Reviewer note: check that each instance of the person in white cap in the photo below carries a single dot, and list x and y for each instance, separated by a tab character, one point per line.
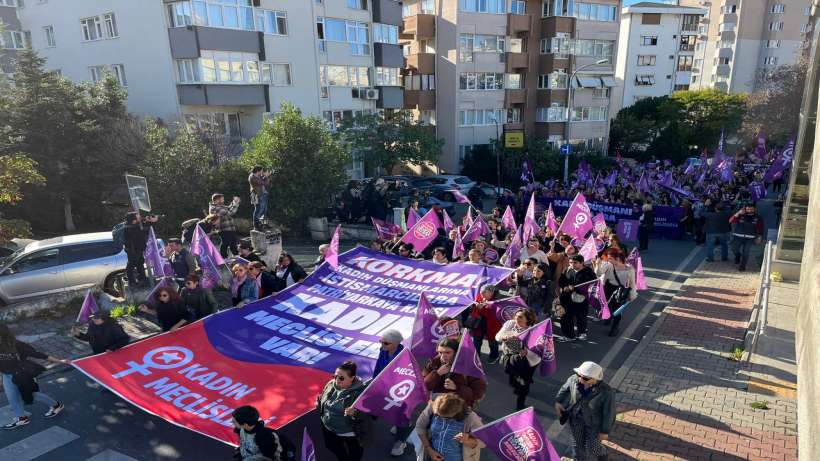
589	405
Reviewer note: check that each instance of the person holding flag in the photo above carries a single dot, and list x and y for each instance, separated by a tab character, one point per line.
103	334
483	322
619	284
445	430
342	426
439	377
575	303
519	362
588	404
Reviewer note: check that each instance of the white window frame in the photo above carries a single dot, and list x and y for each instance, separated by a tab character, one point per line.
386	76
385	33
357	4
483	6
118	70
12	40
645	60
645	80
646	40
776	25
778	8
51	41
92	29
110	22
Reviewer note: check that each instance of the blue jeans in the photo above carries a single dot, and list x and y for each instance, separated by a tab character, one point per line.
16	400
723	239
259	209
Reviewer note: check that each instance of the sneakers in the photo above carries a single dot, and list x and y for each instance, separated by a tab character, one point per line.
582	337
55	410
17	422
398	448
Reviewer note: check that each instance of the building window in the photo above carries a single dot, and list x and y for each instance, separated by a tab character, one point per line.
776	25
557	8
483	6
554	113
595	12
179	14
357	34
357	4
589	114
385	33
804	28
272	22
92	28
770	61
697	66
778	8
187	70
485	117
470	43
687	42
596	48
649	40
8	3
420	82
386	76
427	7
554	81
600	93
690	22
644	80
482	81
110	25
119	73
12	40
682	87
48	31
646	59
518	7
772	43
685	63
330	75
513	81
99	73
275	74
217	123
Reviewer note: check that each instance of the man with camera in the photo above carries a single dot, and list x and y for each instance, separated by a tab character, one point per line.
259	181
134	243
227	228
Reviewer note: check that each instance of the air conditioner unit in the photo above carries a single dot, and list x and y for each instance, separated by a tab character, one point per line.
369	93
356	93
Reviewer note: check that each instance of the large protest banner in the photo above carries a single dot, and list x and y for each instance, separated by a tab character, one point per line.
667	218
277	353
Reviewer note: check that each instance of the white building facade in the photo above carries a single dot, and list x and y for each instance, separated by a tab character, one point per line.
656	51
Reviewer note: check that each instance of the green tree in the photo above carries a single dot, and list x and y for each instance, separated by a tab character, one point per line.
636	126
177	167
308	164
386	142
774	106
67	129
16	172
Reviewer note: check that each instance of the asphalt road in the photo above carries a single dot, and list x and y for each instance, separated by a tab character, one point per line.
96	422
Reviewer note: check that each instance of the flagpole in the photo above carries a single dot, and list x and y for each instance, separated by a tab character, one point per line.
464	333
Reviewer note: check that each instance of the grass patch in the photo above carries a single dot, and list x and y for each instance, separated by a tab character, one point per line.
122	311
760	405
736	353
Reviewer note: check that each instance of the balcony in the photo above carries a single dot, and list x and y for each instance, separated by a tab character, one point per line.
419	26
387	55
689	27
386	12
546	98
725	52
729	17
390	97
727	30
422	63
518	24
187	41
223	95
420	99
516	61
723	70
513	97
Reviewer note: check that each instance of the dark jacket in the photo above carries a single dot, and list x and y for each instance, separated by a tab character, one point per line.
294	270
267	284
717	222
537	291
169	314
332	400
599	413
135	237
106	337
469	388
570	277
748	225
22	370
199	302
385	358
183	263
261	441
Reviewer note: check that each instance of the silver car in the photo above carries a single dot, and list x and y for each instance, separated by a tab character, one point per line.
72	262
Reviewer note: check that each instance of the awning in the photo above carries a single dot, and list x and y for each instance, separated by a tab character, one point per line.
609	82
589	82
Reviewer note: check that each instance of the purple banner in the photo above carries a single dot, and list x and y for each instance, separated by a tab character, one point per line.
667	218
395	392
505	309
518	437
628	229
339	314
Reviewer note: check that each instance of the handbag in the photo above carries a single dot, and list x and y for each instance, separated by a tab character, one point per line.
621	295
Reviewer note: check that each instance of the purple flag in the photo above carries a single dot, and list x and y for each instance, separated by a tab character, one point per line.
628	229
412	217
514	249
422	234
458	246
530	224
589	250
426	330
634	260
384	229
551	223
475	231
395	392
538	339
332	253
518	437
760	150
598	223
643	184
448	223
781	163
160	266
152	296
578	219
460	197
467	220
466	361
201	244
526	171
508	220
308	451
666	179
89	307
596	296
757	190
506	308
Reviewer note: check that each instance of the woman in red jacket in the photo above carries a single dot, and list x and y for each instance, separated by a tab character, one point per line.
484	323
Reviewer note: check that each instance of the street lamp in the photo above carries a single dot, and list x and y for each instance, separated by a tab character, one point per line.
494	119
570	98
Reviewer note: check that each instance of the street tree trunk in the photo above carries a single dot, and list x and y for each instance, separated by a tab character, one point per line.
69	219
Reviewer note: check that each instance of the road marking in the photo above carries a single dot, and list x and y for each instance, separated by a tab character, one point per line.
38	444
555	428
111	455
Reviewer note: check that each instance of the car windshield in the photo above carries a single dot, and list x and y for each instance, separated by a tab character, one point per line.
5	261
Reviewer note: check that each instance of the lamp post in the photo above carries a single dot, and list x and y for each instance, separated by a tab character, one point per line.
570	99
494	119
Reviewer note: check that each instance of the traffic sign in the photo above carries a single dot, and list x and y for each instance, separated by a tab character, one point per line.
514	139
566	149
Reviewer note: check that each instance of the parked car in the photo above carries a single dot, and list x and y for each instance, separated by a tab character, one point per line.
491	191
55	265
462	183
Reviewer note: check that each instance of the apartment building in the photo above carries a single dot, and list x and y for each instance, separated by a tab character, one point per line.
480	68
742	38
12	36
656	49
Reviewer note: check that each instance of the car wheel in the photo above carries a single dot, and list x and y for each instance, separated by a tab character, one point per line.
115	284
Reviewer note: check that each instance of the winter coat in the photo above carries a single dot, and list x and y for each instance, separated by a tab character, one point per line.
469	388
225	213
259	442
135	238
599	413
199	302
571	277
331	404
491	322
106	337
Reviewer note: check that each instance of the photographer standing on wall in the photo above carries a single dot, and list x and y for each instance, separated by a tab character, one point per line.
259	181
135	235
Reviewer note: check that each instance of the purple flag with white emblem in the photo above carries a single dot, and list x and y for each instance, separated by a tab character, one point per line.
538	339
530	224
476	230
412	218
517	437
589	250
308	450
506	308
757	190
508	219
159	265
634	260
332	253
426	332
551	223
201	244
422	234
578	219
598	223
466	361
781	163
448	223
458	246
89	307
514	249
395	392
385	230
594	292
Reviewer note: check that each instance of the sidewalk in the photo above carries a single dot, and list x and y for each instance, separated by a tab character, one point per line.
681	397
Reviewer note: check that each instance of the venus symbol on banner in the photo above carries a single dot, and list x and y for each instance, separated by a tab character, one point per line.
170	357
399	393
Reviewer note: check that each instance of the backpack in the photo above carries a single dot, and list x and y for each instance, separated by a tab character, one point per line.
118	234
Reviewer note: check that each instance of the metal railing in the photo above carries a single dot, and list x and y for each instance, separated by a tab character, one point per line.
762	295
